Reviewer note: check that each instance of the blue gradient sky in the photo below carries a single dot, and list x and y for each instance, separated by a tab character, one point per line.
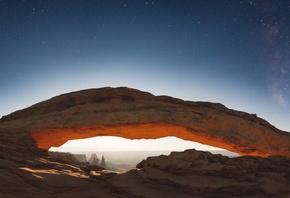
233	52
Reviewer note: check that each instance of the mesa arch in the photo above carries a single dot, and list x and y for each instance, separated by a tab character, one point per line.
134	114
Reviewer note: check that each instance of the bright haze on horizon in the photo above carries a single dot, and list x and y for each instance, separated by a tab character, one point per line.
232	52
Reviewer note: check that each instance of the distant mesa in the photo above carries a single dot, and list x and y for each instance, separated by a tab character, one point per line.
64	157
134	114
94	160
78	159
81	157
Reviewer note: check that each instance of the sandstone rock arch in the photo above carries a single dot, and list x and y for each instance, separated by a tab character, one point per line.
134	114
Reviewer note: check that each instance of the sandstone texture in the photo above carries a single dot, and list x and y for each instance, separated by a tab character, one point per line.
134	114
27	171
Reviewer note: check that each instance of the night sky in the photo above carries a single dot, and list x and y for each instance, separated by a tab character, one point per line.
234	52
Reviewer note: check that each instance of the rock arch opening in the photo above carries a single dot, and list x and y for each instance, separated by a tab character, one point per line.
121	154
112	143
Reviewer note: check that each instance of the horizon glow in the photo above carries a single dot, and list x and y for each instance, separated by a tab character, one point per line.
112	143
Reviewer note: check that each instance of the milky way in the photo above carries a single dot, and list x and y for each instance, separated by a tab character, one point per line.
278	38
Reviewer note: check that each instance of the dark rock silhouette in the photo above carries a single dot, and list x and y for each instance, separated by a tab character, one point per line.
65	157
103	162
94	159
81	158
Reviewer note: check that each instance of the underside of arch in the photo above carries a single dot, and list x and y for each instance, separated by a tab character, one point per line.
57	137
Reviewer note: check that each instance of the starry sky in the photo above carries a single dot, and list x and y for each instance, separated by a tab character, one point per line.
235	52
